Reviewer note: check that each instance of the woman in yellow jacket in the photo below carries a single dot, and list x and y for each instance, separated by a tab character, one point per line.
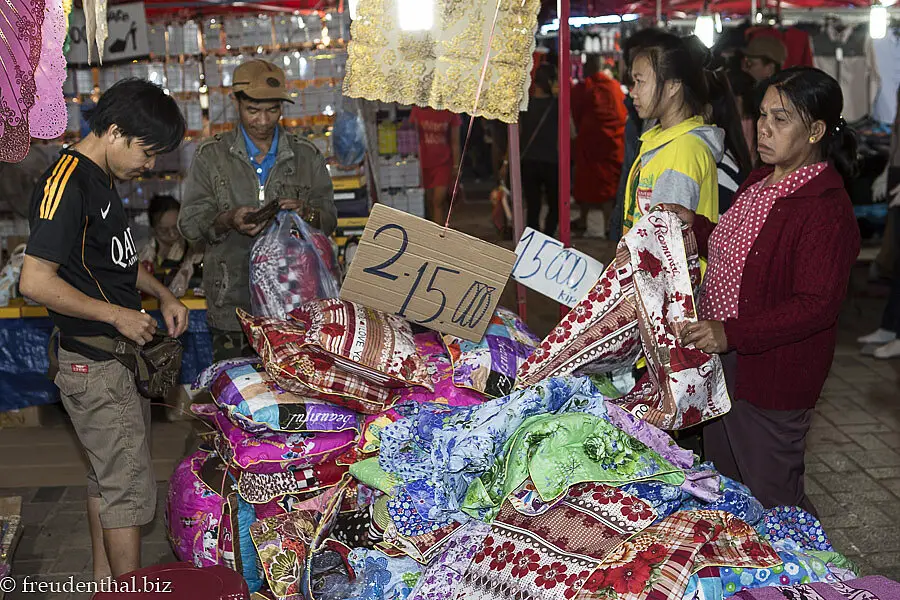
678	157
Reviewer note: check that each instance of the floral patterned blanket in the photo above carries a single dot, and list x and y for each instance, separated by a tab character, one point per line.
639	307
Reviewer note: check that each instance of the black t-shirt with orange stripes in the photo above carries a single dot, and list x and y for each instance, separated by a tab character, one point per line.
78	221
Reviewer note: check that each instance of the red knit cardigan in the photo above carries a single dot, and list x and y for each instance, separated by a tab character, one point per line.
792	288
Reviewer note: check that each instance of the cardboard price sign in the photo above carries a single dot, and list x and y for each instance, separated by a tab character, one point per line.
544	265
439	278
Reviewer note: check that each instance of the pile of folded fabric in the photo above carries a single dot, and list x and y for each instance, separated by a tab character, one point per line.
356	459
286	425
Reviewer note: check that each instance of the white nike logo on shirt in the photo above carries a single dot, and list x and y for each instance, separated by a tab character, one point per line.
103	213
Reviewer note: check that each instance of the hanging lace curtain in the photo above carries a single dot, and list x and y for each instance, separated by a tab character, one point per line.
441	66
32	71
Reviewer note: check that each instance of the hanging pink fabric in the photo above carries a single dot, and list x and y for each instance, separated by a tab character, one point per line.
20	25
48	117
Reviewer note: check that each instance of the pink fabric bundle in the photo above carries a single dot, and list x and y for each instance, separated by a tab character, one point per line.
273	452
194	506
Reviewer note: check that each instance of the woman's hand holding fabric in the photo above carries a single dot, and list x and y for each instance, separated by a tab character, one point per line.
708	336
685	214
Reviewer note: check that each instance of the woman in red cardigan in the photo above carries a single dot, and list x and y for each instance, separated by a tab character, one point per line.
779	264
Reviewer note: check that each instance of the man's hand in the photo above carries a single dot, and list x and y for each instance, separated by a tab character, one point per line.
686	215
302	207
708	336
239	224
175	315
137	326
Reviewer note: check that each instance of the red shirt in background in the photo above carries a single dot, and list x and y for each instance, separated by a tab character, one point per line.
434	135
598	108
796	41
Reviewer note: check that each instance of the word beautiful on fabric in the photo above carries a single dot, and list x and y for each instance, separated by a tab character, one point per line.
297	420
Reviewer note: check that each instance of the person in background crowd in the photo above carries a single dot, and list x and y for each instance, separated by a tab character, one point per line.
743	86
678	157
763	57
233	176
166	248
539	156
81	263
439	155
736	164
599	111
779	265
634	125
883	342
166	255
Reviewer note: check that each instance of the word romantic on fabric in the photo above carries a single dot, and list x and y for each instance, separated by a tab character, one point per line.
546	266
436	277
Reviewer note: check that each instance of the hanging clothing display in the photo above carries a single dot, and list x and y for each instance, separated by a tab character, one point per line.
21	27
884	55
49	116
796	41
95	26
442	66
840	51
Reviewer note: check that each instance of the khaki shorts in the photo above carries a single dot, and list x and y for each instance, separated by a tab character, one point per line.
112	421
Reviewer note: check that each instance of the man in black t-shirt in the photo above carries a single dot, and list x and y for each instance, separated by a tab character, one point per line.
82	264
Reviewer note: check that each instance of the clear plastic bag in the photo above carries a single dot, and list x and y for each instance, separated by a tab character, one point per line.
9	276
291	264
348	138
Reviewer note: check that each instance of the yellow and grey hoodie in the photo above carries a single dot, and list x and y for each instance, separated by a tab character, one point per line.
676	166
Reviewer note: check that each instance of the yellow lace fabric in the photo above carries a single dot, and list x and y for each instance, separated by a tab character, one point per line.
441	67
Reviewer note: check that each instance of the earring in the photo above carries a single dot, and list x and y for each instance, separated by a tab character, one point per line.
812	139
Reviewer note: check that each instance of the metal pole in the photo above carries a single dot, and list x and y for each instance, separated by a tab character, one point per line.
515	184
659	12
565	81
753	11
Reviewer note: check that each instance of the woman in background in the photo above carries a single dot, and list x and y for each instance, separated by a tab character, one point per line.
678	157
167	255
736	163
540	156
439	155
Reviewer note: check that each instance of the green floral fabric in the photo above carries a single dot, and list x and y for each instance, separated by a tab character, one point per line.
559	451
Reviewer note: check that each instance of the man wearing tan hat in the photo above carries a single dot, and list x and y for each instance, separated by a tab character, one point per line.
233	176
764	56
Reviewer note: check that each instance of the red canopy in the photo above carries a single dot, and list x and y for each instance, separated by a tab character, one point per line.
156	8
731	7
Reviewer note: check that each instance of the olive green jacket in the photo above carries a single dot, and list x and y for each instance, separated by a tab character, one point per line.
221	178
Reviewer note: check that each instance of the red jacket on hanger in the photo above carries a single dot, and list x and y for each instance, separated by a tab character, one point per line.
799	49
598	108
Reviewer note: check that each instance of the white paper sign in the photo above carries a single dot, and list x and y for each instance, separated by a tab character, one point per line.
544	265
127	35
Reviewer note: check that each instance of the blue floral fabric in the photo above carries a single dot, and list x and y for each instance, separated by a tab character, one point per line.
443	449
663	497
736	499
382	577
794	523
409	511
